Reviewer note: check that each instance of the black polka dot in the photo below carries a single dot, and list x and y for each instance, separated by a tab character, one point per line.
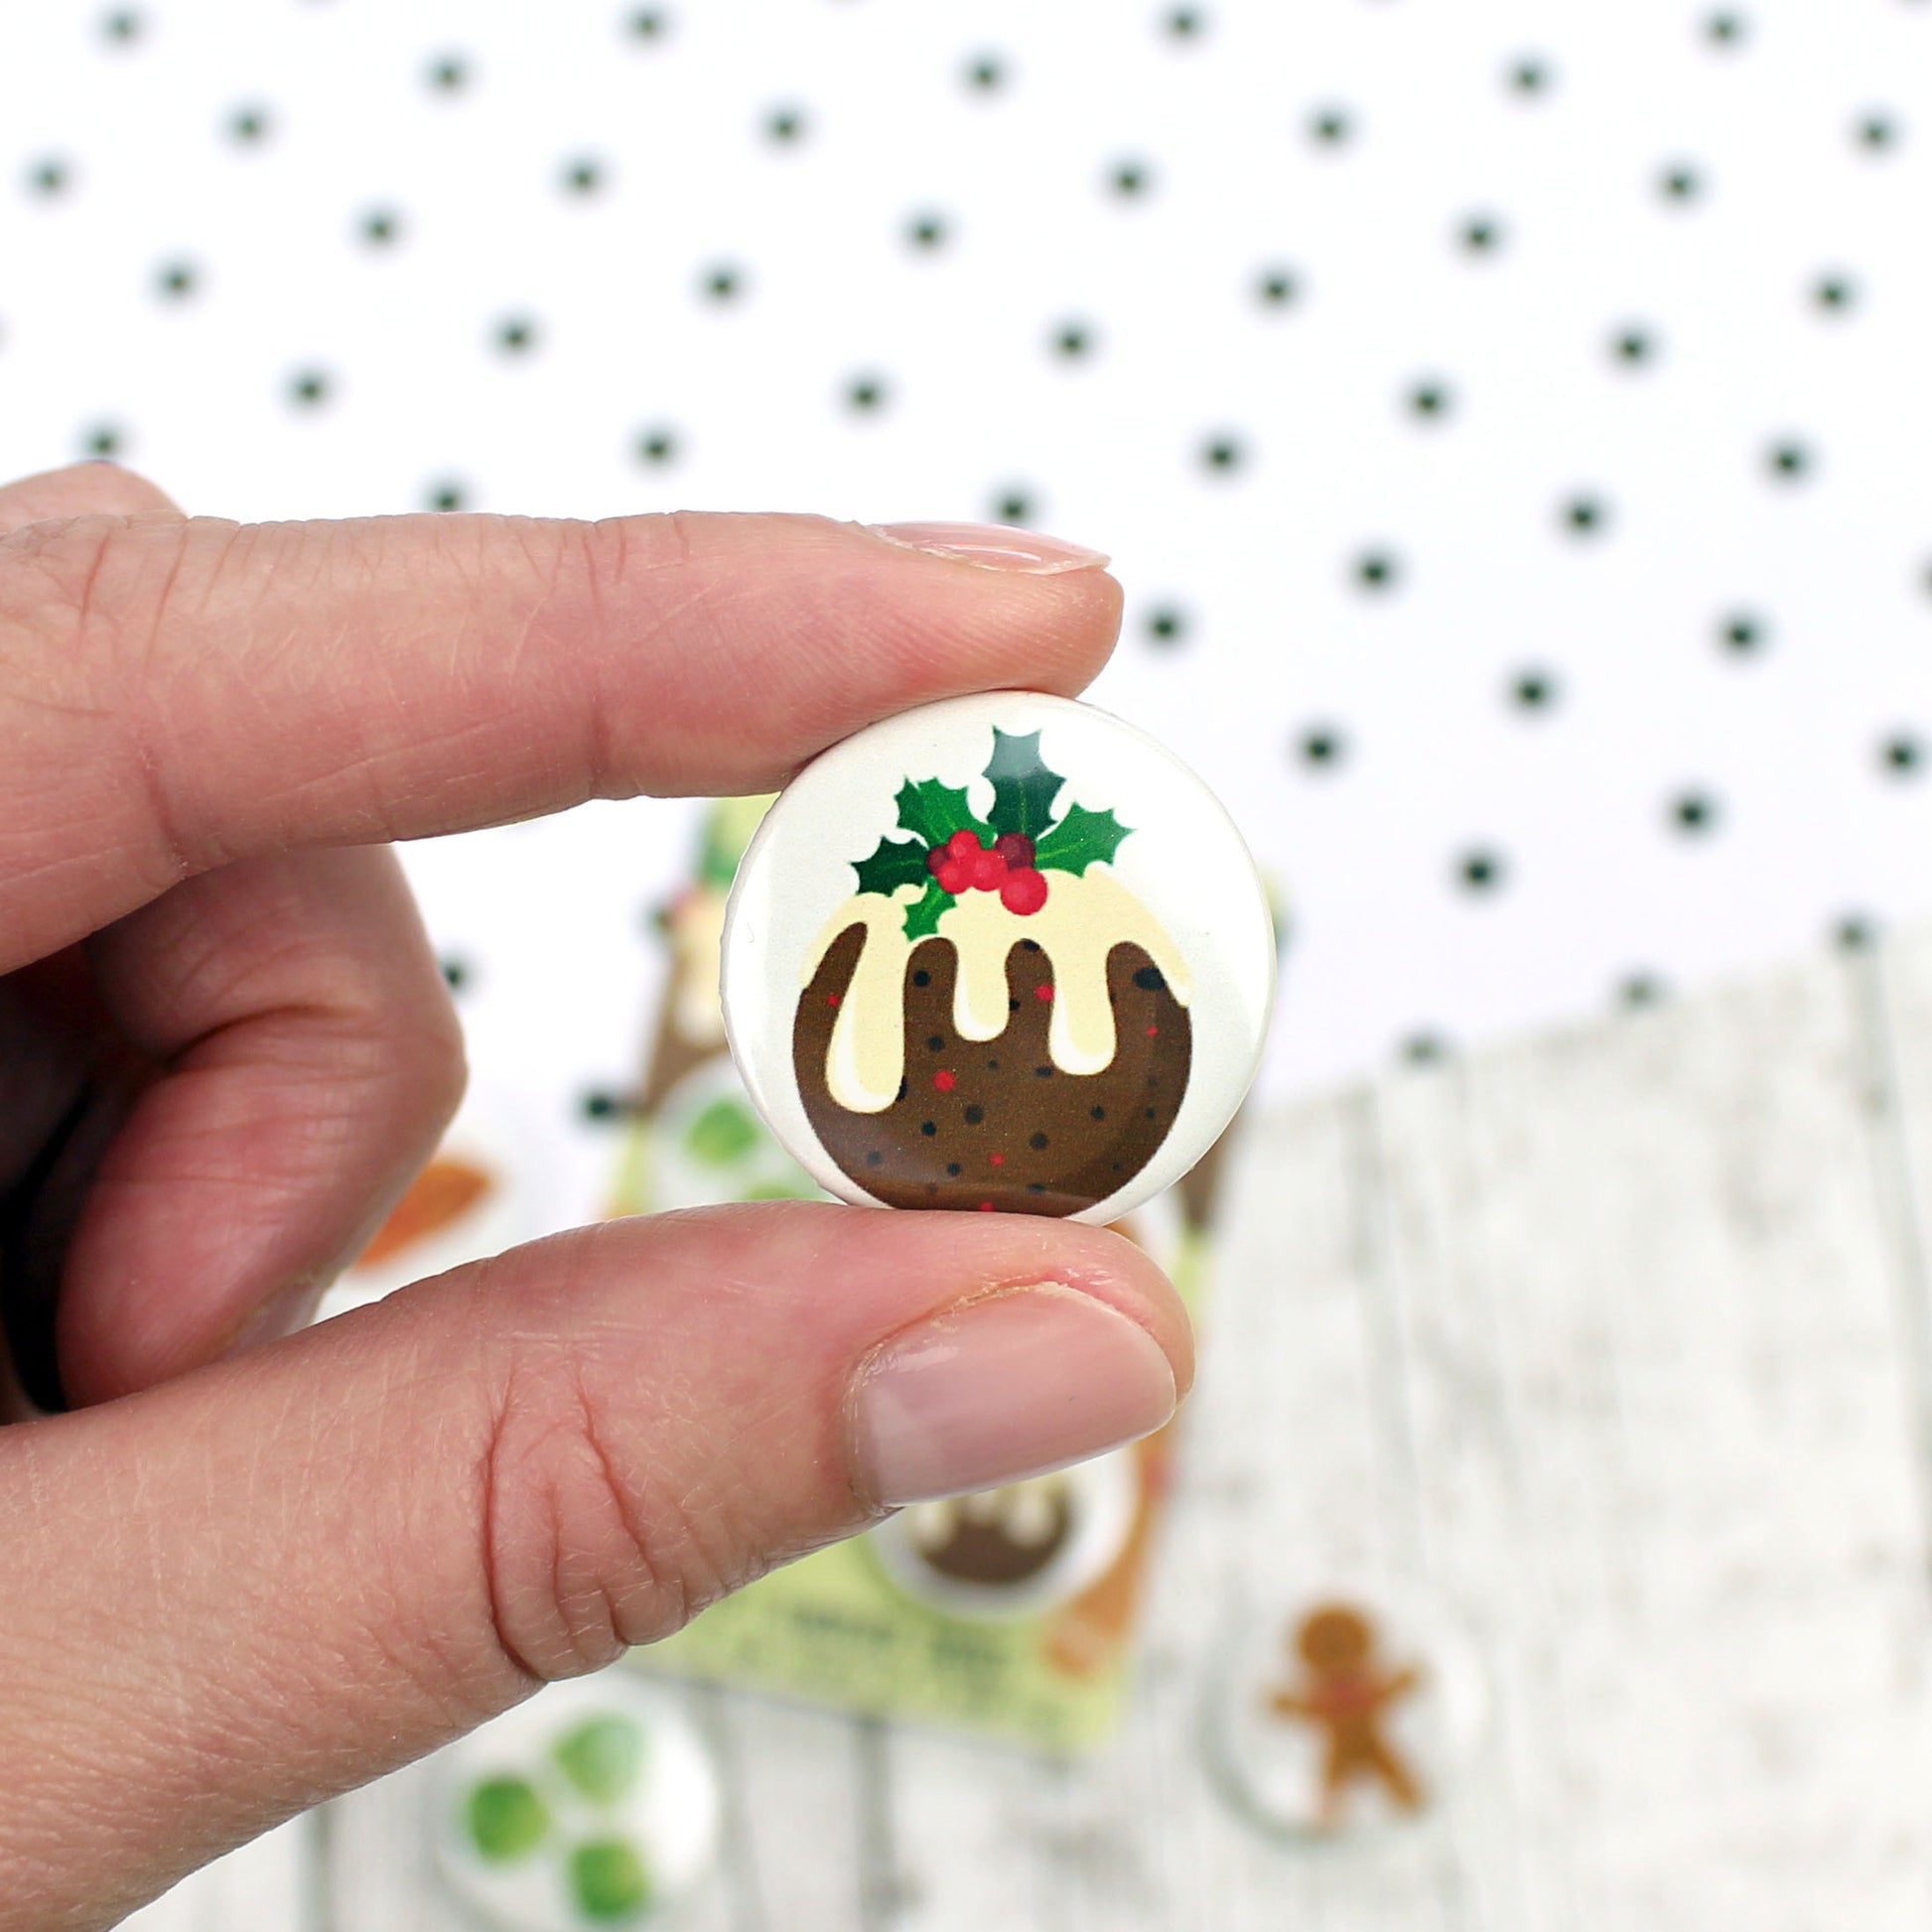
447	74
1902	756
516	334
1332	126
1742	632
1480	870
103	440
1038	1187
1430	400
176	281
1480	234
646	23
1877	131
935	1043
50	176
1694	813
249	126
986	73
1583	515
866	396
974	1115
875	1159
1324	746
1376	571
1130	179
1530	75
1042	1072
1634	346
1015	506
1037	1142
1097	1113
928	1127
1150	979
1834	292
785	126
953	1167
456	973
1222	454
309	388
1856	932
1166	624
1073	342
1534	691
380	226
599	1104
657	445
1186	23
1639	990
1680	183
928	231
447	493
122	27
722	282
583	176
1278	288
1790	460
1726	28
922	977
1424	1048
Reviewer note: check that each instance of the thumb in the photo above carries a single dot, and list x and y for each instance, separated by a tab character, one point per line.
248	1588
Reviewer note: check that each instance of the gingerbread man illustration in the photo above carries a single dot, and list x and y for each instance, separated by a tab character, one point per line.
1345	1692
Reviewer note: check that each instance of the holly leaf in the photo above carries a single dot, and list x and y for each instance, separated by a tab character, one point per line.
922	919
1024	786
896	863
1079	840
933	812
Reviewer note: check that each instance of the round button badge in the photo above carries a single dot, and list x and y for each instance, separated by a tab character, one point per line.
1001	952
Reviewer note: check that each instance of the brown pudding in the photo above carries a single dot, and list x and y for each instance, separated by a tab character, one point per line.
995	1122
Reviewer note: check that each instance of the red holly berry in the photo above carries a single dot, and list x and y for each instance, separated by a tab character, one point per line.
986	871
935	860
963	843
1024	892
956	875
1016	848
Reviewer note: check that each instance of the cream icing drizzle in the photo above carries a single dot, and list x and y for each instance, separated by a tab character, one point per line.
1086	915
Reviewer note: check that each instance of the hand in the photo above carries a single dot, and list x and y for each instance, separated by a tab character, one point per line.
248	1570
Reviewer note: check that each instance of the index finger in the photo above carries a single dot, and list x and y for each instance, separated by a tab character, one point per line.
177	693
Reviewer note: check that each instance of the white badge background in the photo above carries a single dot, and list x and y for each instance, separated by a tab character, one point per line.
1804	137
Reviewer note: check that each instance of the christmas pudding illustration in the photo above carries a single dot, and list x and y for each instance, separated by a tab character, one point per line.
992	1019
1000	1535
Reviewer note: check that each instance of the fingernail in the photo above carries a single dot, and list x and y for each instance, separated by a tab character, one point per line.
992	546
1007	1387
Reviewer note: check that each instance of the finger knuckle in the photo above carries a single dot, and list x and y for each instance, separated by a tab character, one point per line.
583	1556
94	583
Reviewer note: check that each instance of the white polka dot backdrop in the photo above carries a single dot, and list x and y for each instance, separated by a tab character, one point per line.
1508	422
